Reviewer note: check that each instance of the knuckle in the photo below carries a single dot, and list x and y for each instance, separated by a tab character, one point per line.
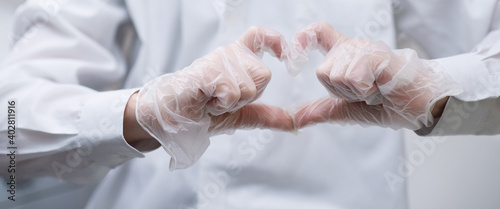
248	92
266	74
253	29
233	95
252	32
337	78
361	42
323	74
252	90
222	50
261	76
323	24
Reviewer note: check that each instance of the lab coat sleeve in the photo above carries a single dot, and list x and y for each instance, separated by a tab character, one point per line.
460	117
477	110
62	72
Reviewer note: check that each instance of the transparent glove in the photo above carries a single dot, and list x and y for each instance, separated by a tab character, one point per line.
369	83
213	95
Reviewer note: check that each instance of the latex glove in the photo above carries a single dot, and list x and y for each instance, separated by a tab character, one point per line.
212	96
369	83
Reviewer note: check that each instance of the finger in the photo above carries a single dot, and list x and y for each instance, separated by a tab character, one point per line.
372	66
358	74
260	74
222	86
349	71
360	79
385	64
249	85
238	80
251	75
332	74
225	98
260	39
315	112
253	116
339	111
319	35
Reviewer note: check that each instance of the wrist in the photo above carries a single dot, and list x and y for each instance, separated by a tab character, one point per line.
133	132
439	106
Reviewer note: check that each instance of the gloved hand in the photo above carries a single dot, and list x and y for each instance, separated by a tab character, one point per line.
211	96
369	83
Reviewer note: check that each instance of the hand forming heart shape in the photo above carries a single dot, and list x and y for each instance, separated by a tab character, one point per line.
369	84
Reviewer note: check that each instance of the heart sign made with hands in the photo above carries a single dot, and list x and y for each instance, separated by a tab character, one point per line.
369	84
213	95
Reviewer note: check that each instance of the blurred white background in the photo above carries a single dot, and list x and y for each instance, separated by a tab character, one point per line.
7	8
461	173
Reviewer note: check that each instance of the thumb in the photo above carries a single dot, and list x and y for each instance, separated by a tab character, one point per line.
253	116
340	111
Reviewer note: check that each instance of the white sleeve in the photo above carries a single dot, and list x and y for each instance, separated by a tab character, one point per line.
61	72
477	109
467	118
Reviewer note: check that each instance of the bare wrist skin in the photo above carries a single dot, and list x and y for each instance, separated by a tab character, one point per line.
438	109
132	131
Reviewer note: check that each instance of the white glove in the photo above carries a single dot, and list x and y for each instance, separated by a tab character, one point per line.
212	96
369	83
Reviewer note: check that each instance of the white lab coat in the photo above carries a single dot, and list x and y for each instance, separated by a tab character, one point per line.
66	70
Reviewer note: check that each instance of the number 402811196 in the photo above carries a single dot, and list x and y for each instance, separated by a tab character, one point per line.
11	121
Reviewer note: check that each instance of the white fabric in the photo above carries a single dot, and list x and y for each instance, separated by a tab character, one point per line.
71	53
474	61
467	118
